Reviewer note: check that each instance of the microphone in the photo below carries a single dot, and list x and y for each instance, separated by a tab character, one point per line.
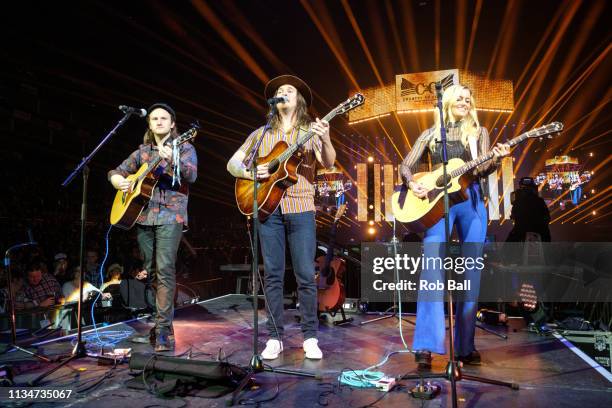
278	99
133	111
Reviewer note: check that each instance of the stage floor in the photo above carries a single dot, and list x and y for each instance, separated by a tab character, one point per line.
548	372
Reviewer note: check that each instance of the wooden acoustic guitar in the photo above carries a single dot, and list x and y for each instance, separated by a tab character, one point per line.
329	272
421	213
128	205
283	162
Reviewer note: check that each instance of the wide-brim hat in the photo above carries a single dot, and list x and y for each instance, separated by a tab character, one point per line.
300	85
165	107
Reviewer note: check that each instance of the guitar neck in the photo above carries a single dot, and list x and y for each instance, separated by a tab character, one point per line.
152	165
485	157
184	138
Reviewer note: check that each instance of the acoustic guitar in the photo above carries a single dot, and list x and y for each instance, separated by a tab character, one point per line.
421	213
283	162
128	205
329	272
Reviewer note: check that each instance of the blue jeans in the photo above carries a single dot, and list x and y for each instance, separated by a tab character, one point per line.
470	218
300	231
163	242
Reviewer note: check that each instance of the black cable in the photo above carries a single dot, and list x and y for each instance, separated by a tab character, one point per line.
324	394
251	401
377	400
107	375
193	292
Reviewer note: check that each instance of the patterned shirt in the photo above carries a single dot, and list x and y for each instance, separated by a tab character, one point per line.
299	197
168	205
46	288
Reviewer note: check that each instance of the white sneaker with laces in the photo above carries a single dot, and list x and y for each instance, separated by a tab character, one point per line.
312	350
273	349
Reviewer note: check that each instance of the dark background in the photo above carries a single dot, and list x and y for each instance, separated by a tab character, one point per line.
66	66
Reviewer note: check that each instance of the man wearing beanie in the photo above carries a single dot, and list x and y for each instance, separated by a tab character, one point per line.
159	227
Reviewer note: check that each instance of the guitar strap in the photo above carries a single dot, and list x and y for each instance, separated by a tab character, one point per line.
473	147
248	158
474	152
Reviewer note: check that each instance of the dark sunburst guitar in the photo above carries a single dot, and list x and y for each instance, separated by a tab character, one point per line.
283	162
422	213
128	205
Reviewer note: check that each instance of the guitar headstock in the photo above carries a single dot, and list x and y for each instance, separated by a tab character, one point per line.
188	135
339	212
350	104
549	129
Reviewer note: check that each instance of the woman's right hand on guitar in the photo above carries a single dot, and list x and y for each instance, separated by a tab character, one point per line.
418	189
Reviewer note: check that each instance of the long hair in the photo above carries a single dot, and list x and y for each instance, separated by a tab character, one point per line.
470	127
149	137
302	118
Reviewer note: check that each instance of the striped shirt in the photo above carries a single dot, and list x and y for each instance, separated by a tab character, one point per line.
299	197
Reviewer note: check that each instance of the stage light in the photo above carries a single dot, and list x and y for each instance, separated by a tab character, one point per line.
371	230
370	159
371	222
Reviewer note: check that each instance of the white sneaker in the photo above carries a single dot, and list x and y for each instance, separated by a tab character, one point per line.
312	350
272	350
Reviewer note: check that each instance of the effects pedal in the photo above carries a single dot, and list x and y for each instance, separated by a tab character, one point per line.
425	391
385	384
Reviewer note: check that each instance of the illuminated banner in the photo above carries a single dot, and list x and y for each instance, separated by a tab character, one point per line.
418	91
415	92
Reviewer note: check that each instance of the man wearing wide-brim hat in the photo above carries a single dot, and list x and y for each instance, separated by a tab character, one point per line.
294	219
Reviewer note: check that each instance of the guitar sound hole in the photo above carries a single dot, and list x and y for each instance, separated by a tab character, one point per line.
272	166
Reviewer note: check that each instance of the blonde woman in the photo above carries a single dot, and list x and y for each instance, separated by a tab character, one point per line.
466	139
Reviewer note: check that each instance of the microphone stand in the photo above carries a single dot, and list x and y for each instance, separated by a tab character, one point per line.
395	307
452	372
79	350
13	345
256	364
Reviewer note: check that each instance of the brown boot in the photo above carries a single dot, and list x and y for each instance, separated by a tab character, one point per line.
162	340
423	360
